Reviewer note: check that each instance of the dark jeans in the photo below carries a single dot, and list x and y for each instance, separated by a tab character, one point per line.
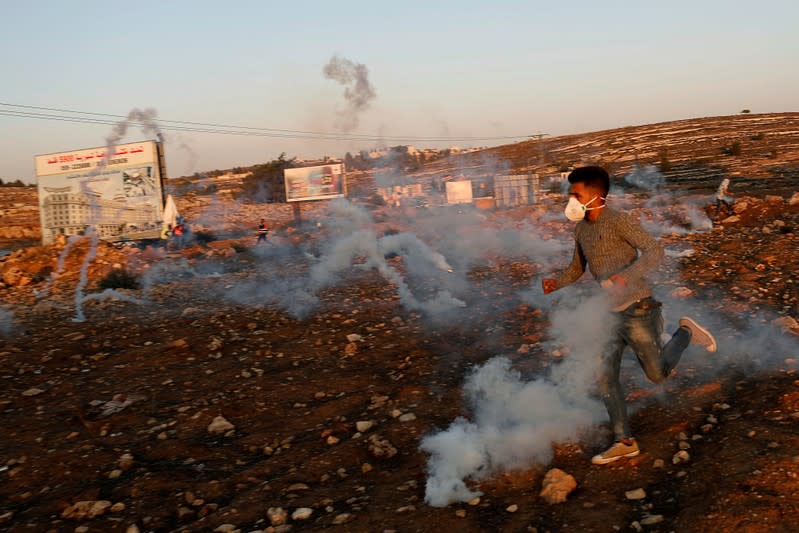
639	327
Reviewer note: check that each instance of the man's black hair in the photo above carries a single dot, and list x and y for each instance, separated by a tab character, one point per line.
592	176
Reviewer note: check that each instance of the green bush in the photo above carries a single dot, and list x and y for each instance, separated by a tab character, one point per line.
119	278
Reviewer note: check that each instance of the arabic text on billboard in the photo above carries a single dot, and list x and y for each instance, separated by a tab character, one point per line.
315	183
121	198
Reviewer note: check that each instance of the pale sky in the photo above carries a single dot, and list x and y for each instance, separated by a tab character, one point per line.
439	69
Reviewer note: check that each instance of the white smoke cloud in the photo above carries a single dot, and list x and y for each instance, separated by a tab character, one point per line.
515	422
358	91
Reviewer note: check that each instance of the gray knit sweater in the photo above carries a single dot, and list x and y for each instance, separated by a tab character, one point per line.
611	245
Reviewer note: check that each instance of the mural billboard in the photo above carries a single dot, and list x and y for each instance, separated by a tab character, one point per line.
459	192
119	194
315	183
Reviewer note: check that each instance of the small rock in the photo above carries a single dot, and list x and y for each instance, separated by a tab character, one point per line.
114	474
180	343
366	467
652	519
227	528
731	220
364	425
774	199
681	457
133	528
635	494
276	515
86	509
354	337
659	463
684	445
407	417
460	513
474	501
296	487
682	292
379	447
794	200
787	324
512	508
117	507
343	518
220	426
405	509
33	392
303	513
557	485
351	349
125	462
524	348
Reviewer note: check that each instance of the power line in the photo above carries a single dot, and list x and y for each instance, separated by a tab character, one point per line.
57	114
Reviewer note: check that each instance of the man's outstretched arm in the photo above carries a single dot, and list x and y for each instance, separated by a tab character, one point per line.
572	273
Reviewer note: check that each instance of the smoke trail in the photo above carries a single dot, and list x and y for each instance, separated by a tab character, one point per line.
516	422
59	267
358	91
84	274
145	118
110	293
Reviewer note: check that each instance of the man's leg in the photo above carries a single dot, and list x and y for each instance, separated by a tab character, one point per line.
610	388
642	333
624	445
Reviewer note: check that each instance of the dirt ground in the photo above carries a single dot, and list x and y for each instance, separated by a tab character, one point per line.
117	409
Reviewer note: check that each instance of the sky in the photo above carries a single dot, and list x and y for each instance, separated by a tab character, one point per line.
445	69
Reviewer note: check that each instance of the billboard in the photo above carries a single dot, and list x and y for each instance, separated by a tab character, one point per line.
120	194
315	183
516	190
459	192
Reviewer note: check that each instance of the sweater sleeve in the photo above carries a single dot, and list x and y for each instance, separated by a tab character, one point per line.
575	269
650	253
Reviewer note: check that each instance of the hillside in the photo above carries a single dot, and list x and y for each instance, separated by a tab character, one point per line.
693	151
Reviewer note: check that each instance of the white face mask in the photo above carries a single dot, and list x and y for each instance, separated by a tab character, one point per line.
575	211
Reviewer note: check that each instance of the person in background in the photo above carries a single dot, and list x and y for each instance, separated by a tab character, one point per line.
166	231
721	195
263	231
620	254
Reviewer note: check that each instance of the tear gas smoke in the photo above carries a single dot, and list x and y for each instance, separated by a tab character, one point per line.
45	291
356	240
646	177
689	216
145	118
84	274
515	422
358	91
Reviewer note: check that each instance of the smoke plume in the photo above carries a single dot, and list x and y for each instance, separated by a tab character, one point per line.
515	422
358	92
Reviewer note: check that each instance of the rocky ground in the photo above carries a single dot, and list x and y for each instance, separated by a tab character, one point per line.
179	411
